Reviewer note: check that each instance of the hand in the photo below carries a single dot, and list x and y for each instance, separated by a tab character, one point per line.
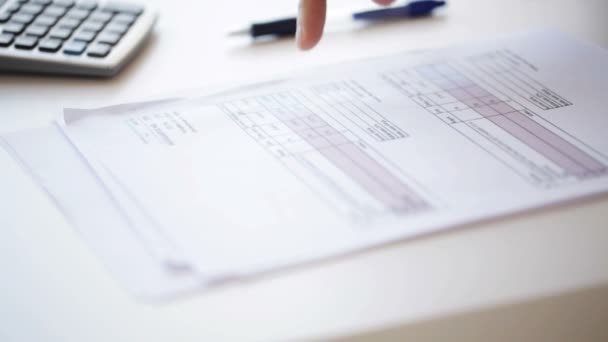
311	19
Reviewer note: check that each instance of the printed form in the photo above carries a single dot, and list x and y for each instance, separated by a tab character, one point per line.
346	157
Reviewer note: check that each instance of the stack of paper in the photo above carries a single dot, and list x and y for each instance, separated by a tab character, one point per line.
184	193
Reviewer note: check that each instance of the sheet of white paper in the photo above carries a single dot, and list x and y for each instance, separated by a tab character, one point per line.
353	155
127	239
125	250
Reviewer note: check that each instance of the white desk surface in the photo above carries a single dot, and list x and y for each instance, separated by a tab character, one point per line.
53	288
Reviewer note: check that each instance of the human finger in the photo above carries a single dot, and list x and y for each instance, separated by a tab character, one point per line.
311	20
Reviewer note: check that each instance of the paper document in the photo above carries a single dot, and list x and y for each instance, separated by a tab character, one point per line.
233	183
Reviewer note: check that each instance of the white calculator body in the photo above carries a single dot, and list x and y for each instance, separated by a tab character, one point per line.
77	37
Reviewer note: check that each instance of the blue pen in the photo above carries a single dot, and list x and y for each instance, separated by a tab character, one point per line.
287	27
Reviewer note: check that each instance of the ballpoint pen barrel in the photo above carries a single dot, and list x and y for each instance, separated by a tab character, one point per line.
413	9
283	27
288	26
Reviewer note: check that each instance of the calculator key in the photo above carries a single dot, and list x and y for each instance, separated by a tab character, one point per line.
55	11
118	7
103	17
117	28
124	18
108	38
37	31
85	36
87	5
99	50
45	20
5	16
60	33
23	18
64	3
42	2
50	45
6	39
74	48
14	7
69	23
94	26
32	9
77	14
13	27
26	42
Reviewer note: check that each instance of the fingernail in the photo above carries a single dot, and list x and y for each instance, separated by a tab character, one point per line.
299	37
299	30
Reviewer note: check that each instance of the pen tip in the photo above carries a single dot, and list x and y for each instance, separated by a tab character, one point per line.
240	32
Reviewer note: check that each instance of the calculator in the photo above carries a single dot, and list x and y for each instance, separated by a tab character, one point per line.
77	37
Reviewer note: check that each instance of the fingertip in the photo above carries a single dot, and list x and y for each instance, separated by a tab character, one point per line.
305	41
311	20
305	46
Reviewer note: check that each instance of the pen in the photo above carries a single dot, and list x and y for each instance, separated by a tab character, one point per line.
287	27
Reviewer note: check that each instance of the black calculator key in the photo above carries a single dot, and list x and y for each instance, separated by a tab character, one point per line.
108	38
45	20
117	28
64	3
26	42
41	2
55	11
124	18
23	18
87	5
69	23
103	17
37	31
60	33
50	45
117	7
74	48
6	39
94	26
4	16
85	36
13	27
99	50
31	9
77	14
